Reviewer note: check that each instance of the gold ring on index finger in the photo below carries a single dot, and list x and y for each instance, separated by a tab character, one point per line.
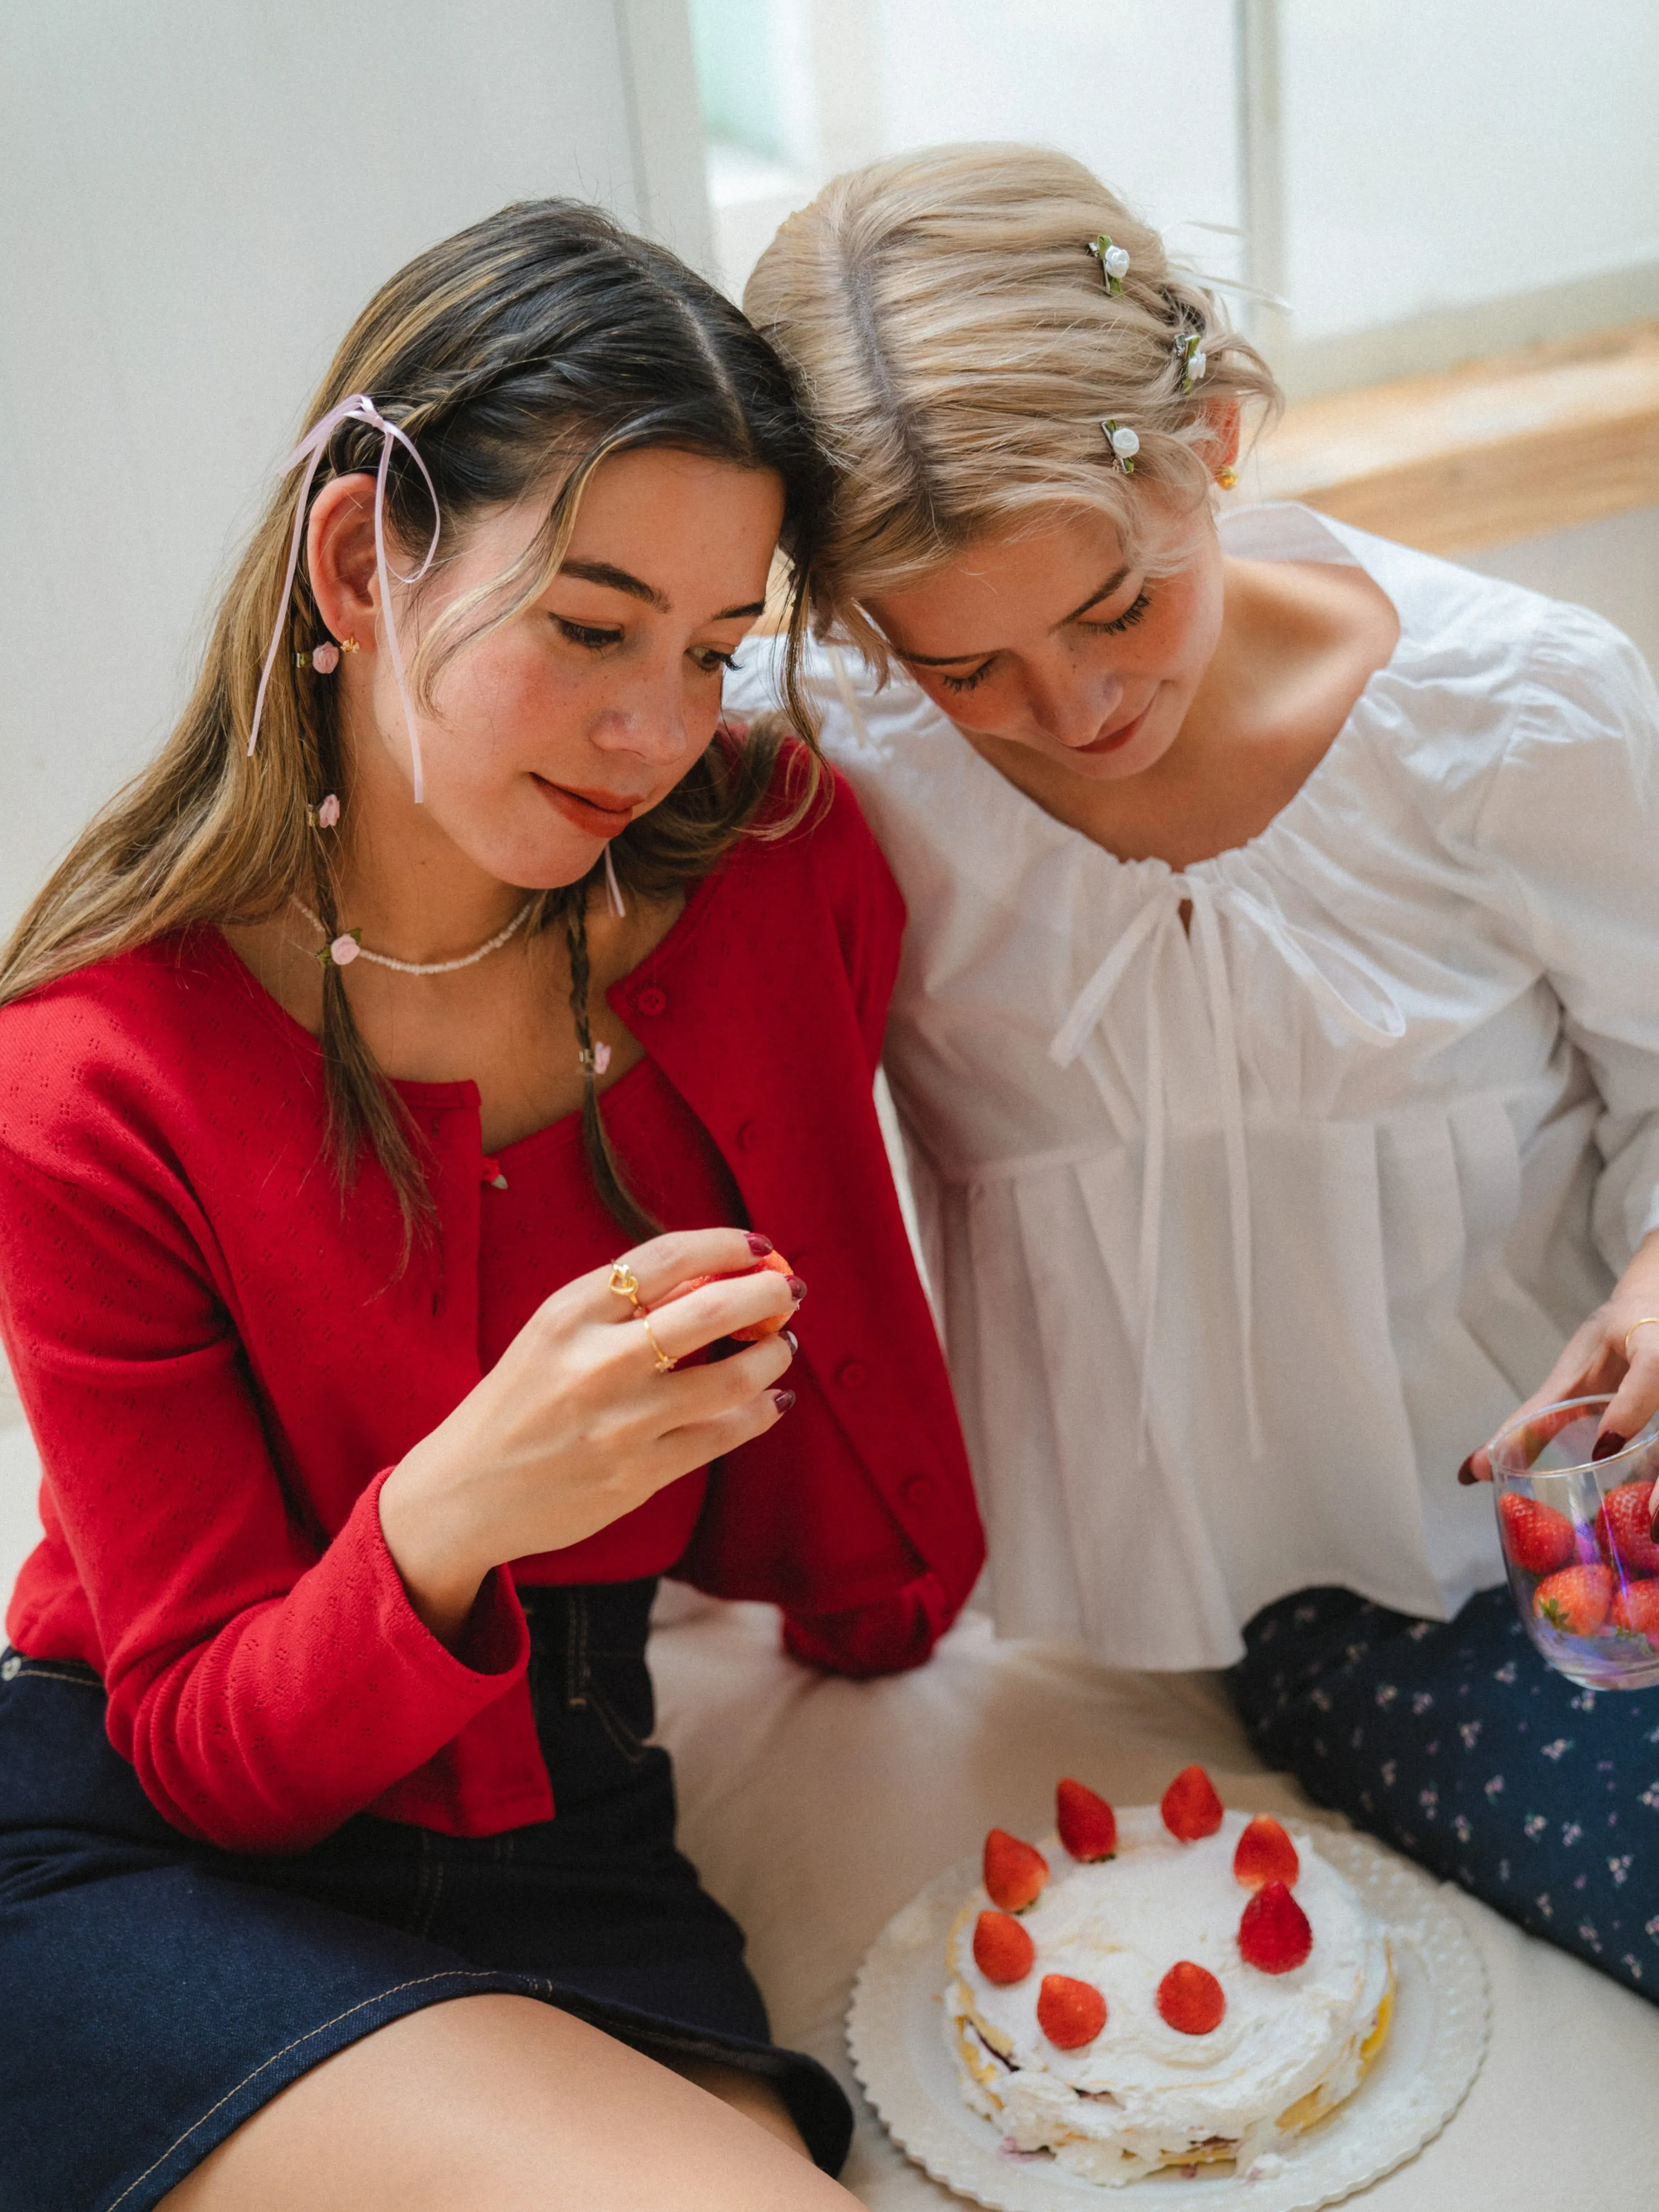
1648	1321
663	1363
625	1284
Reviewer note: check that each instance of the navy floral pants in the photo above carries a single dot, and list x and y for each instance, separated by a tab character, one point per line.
1454	1741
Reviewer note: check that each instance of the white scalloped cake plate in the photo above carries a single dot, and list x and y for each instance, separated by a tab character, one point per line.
1437	2040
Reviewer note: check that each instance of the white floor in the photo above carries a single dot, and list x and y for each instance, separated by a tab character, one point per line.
816	1807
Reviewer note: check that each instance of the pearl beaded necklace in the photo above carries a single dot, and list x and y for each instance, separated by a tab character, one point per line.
345	948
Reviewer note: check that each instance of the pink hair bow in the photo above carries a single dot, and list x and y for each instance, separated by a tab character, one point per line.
310	450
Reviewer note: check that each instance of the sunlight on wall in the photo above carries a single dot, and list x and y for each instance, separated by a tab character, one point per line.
1442	157
1419	182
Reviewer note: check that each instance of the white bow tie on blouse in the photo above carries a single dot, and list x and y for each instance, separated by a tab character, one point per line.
1162	914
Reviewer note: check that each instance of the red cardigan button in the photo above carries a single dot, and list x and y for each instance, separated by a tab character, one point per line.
749	1133
852	1374
652	1000
918	1491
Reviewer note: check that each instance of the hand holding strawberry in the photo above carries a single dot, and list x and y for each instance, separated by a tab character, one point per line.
770	1262
1614	1352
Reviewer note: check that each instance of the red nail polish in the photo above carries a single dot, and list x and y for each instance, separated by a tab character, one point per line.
1608	1444
1466	1472
790	1339
760	1246
797	1289
783	1399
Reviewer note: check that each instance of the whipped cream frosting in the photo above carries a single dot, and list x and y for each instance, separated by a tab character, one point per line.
1143	2094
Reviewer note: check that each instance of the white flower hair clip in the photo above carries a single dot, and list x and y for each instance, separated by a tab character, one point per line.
1191	360
1114	261
1123	443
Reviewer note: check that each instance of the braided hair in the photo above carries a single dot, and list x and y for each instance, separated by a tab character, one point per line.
602	1162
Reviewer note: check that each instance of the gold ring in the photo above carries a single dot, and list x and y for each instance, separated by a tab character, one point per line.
663	1363
1648	1321
624	1283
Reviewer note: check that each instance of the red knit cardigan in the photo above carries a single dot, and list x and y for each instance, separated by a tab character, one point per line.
221	1359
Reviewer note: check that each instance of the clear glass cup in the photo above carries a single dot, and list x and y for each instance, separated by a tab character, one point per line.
1581	1563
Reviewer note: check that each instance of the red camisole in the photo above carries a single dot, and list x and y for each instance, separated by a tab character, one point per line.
550	1225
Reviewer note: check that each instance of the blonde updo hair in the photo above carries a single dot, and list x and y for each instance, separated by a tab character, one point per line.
959	348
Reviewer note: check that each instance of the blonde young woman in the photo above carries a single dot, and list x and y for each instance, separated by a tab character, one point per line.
453	990
1276	1036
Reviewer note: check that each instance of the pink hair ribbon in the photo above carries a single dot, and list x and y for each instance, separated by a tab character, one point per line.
310	450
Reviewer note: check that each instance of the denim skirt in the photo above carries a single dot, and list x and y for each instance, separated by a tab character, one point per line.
156	1991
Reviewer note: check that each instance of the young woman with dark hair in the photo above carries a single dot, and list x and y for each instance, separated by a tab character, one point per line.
397	1082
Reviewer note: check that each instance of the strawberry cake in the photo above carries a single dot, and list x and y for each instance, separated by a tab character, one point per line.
1171	1985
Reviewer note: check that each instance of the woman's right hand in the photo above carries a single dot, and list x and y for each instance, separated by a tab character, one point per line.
575	1425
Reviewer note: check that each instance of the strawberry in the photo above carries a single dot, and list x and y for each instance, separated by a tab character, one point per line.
1070	2014
1274	1933
1537	1538
1190	1999
1014	1872
1636	1611
1265	1854
758	1329
774	1261
1576	1601
1087	1824
1624	1529
1191	1807
1003	1950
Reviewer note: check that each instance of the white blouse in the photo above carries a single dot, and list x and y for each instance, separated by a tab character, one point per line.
1244	1236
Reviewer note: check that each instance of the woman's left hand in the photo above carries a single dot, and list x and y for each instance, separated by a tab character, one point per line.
1611	1352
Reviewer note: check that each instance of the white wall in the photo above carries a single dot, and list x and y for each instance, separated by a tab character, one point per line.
199	196
1143	94
1419	180
1441	155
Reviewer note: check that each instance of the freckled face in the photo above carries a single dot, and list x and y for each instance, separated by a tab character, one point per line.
1047	640
584	711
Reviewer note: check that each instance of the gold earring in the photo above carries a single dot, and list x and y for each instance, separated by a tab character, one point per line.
1226	478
